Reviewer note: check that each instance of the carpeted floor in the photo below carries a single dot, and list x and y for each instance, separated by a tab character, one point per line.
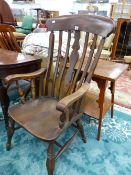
123	90
110	156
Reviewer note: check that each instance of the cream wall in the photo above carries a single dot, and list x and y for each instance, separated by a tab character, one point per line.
63	6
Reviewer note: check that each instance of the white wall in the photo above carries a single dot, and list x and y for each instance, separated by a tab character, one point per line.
63	6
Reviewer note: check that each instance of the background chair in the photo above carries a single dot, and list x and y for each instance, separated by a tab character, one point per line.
7	38
26	26
8	41
6	16
60	101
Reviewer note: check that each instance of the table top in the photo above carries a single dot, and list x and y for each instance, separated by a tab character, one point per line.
109	70
106	70
11	58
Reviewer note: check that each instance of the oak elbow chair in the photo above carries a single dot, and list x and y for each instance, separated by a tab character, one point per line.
61	96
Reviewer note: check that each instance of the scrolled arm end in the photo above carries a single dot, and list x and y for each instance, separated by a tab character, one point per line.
26	76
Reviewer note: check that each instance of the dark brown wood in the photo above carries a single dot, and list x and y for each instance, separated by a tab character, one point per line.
60	106
6	16
12	63
50	159
10	133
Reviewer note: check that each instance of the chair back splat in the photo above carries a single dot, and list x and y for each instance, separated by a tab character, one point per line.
64	82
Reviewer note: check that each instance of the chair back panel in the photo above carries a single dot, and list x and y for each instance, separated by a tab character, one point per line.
62	77
7	39
6	15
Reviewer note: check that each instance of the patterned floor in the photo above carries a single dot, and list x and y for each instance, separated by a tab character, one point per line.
123	90
110	156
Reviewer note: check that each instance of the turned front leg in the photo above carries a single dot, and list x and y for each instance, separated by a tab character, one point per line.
50	163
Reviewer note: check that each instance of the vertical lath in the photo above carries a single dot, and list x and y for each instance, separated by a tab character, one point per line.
57	63
89	59
5	41
94	62
66	58
15	44
73	60
50	62
81	60
2	44
33	88
8	41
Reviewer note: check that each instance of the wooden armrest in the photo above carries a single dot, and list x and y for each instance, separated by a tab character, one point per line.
25	76
64	103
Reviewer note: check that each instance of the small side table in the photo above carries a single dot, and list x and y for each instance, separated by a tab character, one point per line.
96	105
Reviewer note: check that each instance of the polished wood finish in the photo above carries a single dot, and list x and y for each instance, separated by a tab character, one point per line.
7	38
97	103
6	16
63	90
12	63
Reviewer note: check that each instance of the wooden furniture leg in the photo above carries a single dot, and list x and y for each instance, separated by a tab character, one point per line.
102	87
50	158
10	132
4	99
112	89
81	130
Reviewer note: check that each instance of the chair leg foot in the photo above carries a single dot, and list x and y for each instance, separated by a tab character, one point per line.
10	132
112	111
98	137
50	163
81	130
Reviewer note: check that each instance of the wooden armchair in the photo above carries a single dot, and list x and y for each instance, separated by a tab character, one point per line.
60	100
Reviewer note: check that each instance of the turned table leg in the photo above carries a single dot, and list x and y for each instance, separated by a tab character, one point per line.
102	87
4	99
112	89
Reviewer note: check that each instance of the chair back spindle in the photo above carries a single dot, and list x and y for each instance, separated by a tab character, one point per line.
7	38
